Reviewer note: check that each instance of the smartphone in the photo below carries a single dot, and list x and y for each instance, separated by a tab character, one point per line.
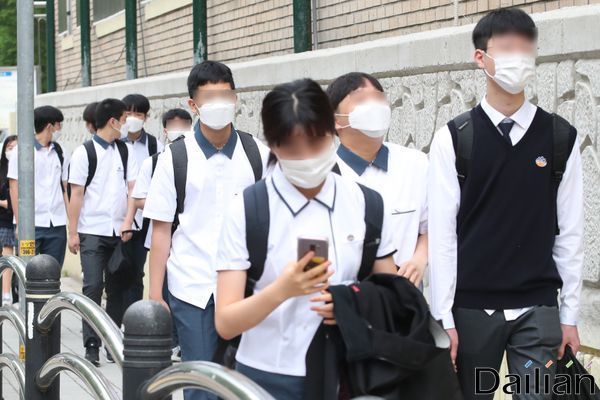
319	245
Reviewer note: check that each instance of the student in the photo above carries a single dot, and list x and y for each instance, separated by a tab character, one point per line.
211	167
97	211
141	146
50	171
7	229
505	229
304	198
399	174
89	117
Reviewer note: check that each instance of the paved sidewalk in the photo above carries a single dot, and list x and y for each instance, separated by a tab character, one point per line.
70	386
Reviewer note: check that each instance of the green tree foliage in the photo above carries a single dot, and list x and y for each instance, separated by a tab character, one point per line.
8	32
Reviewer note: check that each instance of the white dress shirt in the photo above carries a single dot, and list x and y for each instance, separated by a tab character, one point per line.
50	208
336	213
444	201
105	199
140	191
399	174
139	149
214	179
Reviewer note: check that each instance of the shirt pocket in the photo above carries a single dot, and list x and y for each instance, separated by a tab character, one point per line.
348	254
404	209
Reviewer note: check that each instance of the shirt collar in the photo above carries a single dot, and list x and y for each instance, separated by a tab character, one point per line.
294	200
359	164
522	117
209	149
141	139
38	146
103	143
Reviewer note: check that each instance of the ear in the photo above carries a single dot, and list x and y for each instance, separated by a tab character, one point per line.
479	57
192	106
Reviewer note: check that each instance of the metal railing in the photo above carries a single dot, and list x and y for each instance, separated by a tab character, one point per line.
99	386
11	362
225	383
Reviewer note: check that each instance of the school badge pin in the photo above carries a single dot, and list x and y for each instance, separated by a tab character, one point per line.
541	161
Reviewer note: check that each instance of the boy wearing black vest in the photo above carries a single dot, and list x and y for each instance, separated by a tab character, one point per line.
50	173
101	178
506	221
187	209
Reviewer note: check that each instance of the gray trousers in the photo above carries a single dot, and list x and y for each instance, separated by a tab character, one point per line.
530	342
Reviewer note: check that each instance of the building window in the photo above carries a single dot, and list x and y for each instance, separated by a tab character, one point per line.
106	8
64	16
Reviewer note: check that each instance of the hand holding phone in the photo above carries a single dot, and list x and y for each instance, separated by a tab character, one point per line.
318	245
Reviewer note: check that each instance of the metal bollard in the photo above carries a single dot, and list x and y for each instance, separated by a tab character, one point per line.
146	345
43	281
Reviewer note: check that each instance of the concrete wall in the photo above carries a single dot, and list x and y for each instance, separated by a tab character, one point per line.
249	29
430	77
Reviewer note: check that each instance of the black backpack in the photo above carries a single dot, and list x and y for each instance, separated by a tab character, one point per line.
256	208
180	163
152	144
463	146
93	161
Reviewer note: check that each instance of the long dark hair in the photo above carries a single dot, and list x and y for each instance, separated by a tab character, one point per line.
4	160
301	103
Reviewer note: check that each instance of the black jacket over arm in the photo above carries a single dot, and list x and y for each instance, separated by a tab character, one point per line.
385	344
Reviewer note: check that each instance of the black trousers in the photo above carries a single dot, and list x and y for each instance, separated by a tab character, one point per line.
530	342
52	241
95	253
135	291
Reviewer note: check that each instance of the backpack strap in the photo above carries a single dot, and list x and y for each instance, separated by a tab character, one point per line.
253	154
152	144
256	207
373	223
462	132
124	153
92	161
563	141
180	164
154	162
61	158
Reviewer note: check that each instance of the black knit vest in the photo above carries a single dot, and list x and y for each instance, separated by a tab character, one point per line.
507	218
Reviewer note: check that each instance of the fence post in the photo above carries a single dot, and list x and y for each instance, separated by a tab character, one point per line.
43	281
146	345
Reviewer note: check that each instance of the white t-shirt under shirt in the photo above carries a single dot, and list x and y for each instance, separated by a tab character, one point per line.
399	174
279	343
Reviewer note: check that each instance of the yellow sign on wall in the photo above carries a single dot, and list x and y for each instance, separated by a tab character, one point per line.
27	248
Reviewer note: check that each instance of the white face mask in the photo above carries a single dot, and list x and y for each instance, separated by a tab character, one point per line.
372	118
173	134
309	173
513	71
9	154
218	114
56	135
134	124
123	131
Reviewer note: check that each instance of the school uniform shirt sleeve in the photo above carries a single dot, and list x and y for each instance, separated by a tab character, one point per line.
13	166
160	147
132	168
444	201
233	253
424	216
78	169
161	201
568	246
387	247
142	183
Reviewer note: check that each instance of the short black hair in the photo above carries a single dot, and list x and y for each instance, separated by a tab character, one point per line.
503	21
137	103
346	84
107	109
89	113
208	72
44	115
175	113
301	103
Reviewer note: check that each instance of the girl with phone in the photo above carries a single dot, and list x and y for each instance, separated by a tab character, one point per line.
305	199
